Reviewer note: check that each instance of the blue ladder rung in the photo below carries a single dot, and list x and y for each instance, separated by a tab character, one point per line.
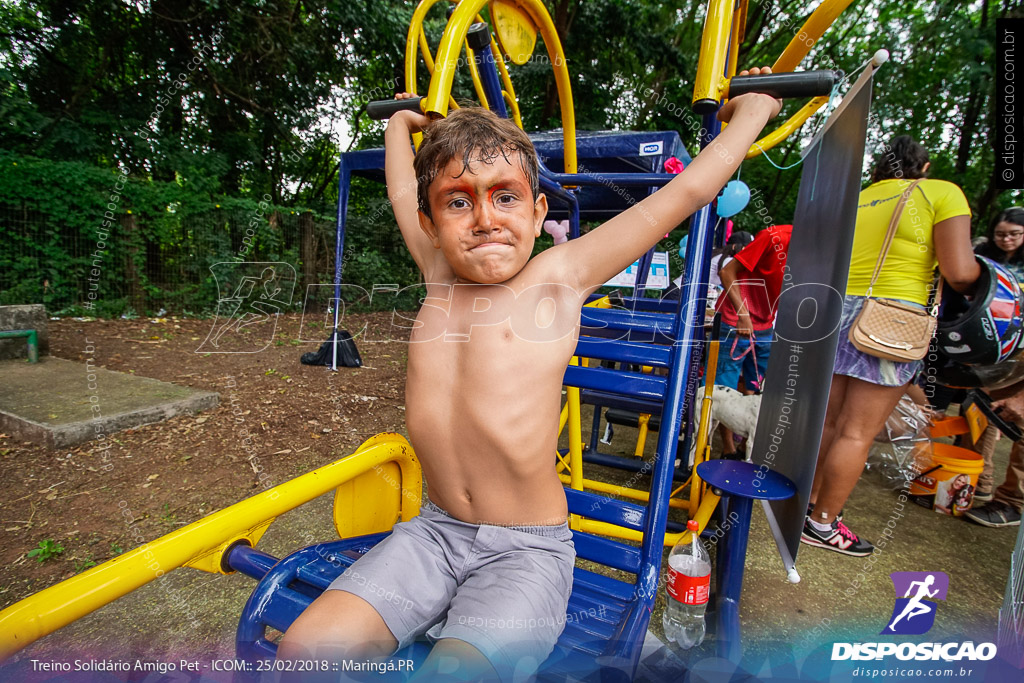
611	400
605	509
607	552
626	321
636	385
624	351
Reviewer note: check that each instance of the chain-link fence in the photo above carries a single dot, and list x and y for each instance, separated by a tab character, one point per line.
141	265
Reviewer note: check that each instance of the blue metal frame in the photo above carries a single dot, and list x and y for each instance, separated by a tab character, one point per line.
678	339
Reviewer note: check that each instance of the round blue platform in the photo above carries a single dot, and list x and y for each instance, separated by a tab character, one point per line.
741	478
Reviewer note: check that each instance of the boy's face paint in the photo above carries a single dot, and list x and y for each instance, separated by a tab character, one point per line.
485	219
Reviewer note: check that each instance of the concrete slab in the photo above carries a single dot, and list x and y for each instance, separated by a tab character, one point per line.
60	403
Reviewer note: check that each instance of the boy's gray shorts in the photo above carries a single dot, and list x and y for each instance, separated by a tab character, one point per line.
503	590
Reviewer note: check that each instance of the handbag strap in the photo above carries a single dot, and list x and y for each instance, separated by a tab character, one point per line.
893	224
938	298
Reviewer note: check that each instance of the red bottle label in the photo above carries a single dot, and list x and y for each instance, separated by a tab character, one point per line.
689	590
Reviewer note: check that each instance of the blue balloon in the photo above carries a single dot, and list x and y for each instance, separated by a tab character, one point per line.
734	198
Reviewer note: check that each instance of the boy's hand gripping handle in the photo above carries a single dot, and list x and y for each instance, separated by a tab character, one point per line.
385	109
786	85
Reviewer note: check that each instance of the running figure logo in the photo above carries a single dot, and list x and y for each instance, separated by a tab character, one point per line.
251	295
916	593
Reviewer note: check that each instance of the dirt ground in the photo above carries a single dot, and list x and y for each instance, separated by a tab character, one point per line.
172	473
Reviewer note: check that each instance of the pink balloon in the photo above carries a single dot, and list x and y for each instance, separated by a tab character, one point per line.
559	230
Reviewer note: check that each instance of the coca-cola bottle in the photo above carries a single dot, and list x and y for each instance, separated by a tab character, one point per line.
688	583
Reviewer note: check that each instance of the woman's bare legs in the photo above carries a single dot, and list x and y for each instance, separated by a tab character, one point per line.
862	411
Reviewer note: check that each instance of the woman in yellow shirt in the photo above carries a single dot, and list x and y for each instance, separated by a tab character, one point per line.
935	227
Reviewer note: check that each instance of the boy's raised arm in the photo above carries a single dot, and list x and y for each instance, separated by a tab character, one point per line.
401	182
607	250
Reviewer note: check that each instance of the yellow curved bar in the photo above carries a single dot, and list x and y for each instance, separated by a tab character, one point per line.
714	46
436	102
788	128
513	107
474	74
509	92
414	36
809	33
738	26
48	610
719	42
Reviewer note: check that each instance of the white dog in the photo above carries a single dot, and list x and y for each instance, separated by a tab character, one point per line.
734	410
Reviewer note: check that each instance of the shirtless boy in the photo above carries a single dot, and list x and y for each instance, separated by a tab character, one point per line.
487	565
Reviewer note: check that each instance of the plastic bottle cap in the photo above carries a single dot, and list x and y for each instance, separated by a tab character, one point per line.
692	525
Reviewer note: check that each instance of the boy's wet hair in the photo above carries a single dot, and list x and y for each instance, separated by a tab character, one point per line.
472	134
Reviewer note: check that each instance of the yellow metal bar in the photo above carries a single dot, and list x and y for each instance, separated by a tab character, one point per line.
702	449
48	610
622	491
562	465
641	438
474	74
714	50
593	526
787	128
735	36
509	92
436	102
575	439
412	37
809	33
563	418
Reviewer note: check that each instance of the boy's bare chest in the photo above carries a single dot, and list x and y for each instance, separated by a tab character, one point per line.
492	335
496	317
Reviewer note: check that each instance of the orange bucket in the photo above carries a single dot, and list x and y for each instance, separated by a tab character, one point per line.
949	426
948	477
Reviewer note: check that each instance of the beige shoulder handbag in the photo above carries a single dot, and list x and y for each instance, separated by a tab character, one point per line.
891	329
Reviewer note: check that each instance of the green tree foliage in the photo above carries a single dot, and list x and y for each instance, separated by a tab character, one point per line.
226	98
214	102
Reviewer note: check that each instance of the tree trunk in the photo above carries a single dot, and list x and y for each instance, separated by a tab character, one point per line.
133	279
307	249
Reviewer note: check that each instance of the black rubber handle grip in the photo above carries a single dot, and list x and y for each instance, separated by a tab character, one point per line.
801	84
385	109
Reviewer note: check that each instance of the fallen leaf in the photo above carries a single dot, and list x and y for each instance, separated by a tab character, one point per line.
147	484
152	477
201	420
287	450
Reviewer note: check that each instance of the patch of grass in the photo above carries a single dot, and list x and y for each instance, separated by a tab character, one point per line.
167	517
48	549
83	564
116	548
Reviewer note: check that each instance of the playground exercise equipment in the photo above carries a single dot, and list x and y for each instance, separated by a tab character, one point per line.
31	338
380	483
